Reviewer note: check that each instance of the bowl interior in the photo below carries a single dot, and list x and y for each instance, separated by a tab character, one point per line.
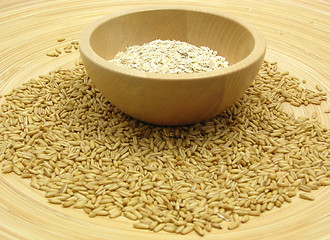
223	34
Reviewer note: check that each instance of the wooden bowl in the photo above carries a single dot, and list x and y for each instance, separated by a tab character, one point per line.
172	99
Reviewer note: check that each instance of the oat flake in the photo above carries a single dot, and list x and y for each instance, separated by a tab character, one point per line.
166	56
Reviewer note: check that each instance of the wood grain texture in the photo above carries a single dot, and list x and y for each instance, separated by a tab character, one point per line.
297	34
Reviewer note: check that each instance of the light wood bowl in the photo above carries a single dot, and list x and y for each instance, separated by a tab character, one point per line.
172	99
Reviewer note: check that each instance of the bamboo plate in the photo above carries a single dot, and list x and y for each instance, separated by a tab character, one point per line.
297	34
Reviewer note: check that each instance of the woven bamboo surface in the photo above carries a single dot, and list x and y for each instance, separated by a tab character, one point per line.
298	37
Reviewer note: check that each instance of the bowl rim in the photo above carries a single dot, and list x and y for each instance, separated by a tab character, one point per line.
87	51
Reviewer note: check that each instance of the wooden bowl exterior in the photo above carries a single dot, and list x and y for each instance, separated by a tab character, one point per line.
172	99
